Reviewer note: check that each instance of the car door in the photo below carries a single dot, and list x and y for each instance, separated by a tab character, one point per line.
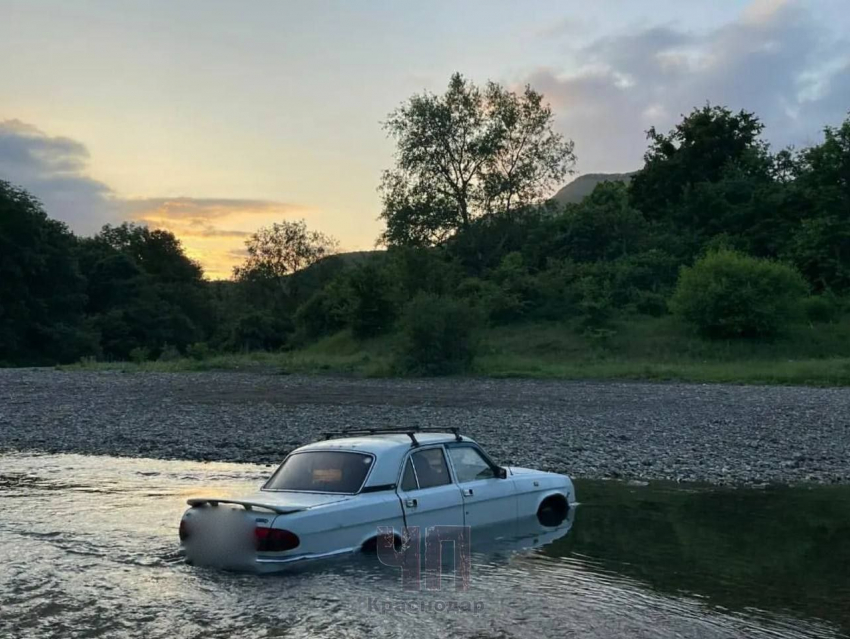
487	499
428	495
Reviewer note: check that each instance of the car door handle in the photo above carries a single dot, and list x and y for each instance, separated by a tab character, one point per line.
411	503
467	492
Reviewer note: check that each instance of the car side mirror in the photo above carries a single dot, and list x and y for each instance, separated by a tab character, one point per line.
501	473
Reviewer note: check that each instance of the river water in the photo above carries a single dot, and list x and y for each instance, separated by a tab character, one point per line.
88	548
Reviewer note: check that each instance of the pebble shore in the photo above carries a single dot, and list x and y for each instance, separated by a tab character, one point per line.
638	431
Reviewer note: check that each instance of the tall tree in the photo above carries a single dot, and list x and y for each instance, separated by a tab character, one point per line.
710	175
699	149
282	249
41	291
143	290
157	252
279	251
821	247
465	154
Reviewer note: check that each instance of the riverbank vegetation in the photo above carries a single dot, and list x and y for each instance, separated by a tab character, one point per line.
720	260
648	348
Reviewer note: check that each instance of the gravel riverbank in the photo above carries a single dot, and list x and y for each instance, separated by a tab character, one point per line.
718	434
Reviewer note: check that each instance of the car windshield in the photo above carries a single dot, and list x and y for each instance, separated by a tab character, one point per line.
321	471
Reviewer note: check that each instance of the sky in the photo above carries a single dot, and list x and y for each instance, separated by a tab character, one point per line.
212	119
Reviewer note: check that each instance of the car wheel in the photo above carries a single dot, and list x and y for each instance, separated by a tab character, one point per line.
553	510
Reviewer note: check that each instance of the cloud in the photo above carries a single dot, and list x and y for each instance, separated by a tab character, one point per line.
213	230
567	26
209	217
775	59
207	208
53	169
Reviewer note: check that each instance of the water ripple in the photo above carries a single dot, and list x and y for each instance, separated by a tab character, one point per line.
94	553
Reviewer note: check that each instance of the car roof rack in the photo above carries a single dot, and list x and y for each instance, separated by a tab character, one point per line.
410	431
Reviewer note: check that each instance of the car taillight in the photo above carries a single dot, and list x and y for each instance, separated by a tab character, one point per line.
184	530
275	540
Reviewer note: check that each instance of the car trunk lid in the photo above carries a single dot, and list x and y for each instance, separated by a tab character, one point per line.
283	502
228	532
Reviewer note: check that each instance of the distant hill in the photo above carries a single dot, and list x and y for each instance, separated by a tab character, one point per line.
583	185
320	273
354	258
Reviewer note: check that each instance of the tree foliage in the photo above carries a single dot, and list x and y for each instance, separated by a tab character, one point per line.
438	336
143	291
373	300
326	311
156	252
727	294
821	246
713	227
257	331
603	227
699	149
467	153
42	294
284	248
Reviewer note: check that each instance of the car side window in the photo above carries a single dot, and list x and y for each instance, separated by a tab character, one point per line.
469	464
431	468
408	480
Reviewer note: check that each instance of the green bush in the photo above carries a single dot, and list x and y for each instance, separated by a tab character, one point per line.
438	336
373	310
487	298
643	281
650	303
422	270
493	302
198	351
729	294
556	298
594	302
140	354
169	353
822	308
602	227
517	292
324	313
259	331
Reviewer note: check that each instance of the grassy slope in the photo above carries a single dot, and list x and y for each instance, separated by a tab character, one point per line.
642	348
659	349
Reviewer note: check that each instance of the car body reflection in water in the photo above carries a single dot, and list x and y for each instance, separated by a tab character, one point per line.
501	542
88	546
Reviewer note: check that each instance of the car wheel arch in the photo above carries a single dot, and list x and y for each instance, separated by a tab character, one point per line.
370	545
552	508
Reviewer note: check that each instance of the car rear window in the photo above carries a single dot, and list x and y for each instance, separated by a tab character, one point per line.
322	471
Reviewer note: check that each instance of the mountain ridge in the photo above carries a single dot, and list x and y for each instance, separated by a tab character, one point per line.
583	185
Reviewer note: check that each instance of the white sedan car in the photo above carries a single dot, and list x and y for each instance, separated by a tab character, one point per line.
331	496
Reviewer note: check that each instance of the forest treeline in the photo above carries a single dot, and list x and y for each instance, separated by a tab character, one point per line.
735	239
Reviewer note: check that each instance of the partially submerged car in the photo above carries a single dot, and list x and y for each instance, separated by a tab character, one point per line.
331	496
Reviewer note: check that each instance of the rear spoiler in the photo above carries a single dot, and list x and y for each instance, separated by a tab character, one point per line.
247	505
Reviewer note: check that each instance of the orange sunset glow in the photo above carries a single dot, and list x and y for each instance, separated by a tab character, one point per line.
213	232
